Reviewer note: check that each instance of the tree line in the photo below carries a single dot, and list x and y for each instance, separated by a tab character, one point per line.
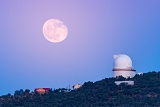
104	93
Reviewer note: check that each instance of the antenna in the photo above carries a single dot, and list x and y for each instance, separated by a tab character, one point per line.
69	86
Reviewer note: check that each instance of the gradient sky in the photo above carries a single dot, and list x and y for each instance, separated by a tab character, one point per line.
98	29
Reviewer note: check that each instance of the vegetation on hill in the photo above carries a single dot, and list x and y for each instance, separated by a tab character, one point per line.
103	93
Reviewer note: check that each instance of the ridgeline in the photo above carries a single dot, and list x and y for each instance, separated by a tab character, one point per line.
104	93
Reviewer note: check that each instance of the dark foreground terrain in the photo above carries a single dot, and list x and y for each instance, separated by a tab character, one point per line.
103	93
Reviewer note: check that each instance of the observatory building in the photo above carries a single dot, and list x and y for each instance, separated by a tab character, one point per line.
123	66
76	86
42	90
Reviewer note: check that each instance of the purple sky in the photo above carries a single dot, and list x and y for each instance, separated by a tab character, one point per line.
98	29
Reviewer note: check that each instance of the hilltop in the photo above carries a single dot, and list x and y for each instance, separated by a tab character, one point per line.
104	93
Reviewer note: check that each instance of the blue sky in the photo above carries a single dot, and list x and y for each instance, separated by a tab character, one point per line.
98	29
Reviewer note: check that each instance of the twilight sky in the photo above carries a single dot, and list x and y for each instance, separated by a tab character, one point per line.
98	29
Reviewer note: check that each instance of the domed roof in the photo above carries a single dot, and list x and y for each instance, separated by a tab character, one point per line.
122	61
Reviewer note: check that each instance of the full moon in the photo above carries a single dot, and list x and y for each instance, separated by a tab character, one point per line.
55	30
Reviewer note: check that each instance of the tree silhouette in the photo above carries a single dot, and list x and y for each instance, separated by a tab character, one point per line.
104	93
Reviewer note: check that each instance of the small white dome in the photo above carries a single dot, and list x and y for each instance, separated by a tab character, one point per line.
122	61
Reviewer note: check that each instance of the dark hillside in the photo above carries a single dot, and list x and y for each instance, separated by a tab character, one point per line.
103	93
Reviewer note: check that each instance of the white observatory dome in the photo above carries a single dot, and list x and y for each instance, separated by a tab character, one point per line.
123	66
122	61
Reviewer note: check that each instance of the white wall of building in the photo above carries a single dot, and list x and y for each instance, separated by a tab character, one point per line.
126	82
125	74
